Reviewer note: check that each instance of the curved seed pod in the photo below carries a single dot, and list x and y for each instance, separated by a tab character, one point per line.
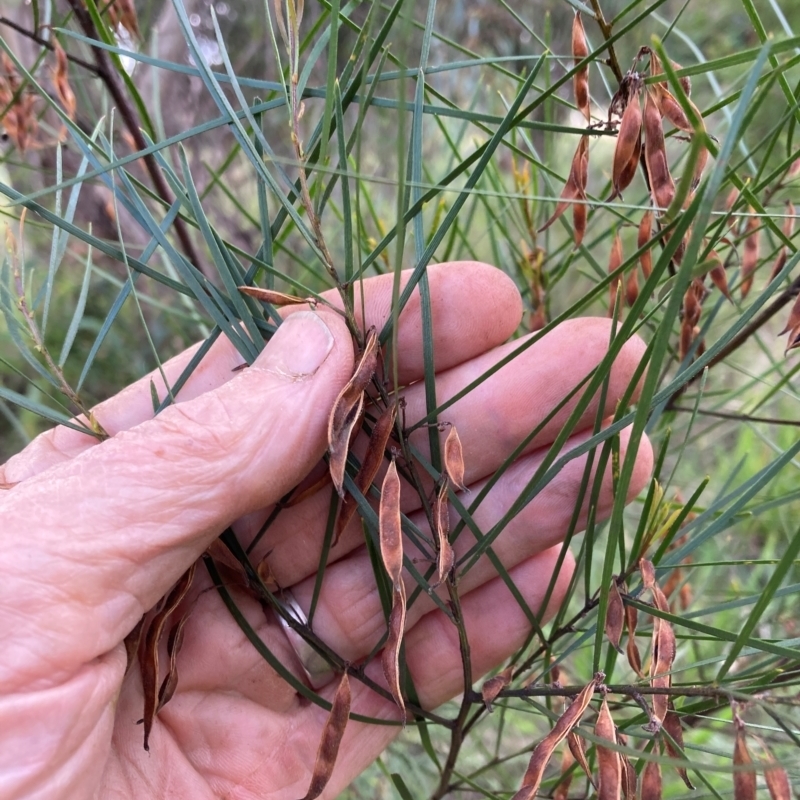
346	411
718	275
371	463
744	782
752	246
776	778
794	318
275	298
646	258
391	533
332	735
629	780
493	686
671	109
651	781
149	654
580	80
575	187
672	726
615	616
575	744
390	658
579	221
544	750
446	557
632	649
454	459
632	287
61	80
562	788
628	145
662	186
609	767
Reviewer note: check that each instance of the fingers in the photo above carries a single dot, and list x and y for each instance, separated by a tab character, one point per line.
474	308
116	526
492	421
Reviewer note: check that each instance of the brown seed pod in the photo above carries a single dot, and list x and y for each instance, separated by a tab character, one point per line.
373	458
718	275
629	780
752	246
651	781
332	735
493	686
390	658
346	411
776	778
580	80
744	781
671	109
632	287
149	653
576	747
544	750
632	649
574	189
454	459
389	522
275	298
628	148
672	726
61	80
646	258
662	186
562	788
615	616
609	767
174	644
445	555
788	232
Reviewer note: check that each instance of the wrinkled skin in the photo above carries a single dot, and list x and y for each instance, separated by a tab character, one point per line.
94	534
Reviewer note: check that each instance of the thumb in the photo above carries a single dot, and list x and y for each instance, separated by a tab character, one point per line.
117	525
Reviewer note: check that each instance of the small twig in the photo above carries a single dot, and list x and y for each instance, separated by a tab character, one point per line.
605	28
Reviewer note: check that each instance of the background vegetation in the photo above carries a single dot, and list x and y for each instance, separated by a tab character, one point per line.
430	132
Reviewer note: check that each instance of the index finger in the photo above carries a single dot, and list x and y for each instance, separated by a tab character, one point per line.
474	307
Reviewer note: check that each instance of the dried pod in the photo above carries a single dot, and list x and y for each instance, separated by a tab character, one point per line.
793	326
651	781
744	780
615	259
562	788
370	464
61	80
581	78
671	109
776	778
629	778
332	735
575	744
544	750
346	411
632	649
149	654
493	686
454	459
672	726
174	644
752	244
275	298
788	232
718	275
579	221
662	186
391	650
628	148
575	187
446	557
391	533
632	287
615	616
646	258
609	767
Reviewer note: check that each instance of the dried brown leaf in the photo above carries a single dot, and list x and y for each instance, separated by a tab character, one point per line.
493	686
609	767
615	616
332	735
454	459
148	656
662	187
391	533
580	80
346	411
391	650
744	781
275	298
544	750
370	464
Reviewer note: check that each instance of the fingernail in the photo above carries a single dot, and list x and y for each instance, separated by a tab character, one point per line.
299	346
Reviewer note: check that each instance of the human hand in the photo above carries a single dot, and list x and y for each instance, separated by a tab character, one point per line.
94	534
